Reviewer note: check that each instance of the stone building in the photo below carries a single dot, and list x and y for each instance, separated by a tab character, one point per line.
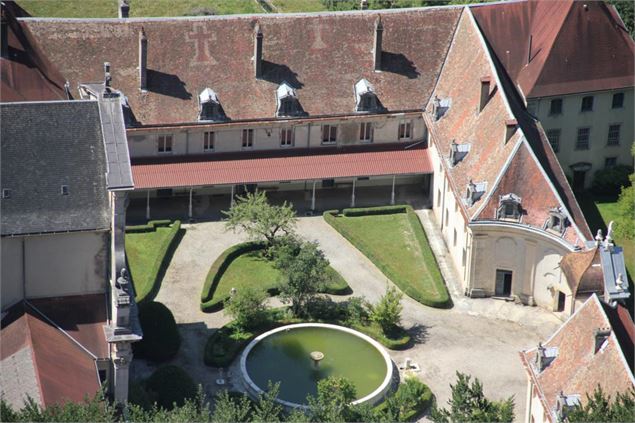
572	63
593	347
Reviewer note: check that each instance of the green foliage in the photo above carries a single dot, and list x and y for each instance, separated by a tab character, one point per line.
171	385
387	312
96	409
600	408
610	181
469	404
149	249
626	10
625	222
333	401
247	307
161	338
306	274
357	311
228	409
266	409
397	244
260	220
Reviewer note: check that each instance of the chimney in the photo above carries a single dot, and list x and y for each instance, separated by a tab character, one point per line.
124	9
485	85
107	77
540	357
5	33
510	128
601	335
379	33
257	51
143	60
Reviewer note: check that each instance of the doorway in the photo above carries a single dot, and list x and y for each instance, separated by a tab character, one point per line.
561	300
503	283
578	180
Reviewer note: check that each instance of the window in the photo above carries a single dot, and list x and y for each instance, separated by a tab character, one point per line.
6	193
286	137
455	237
614	135
587	104
509	207
248	138
329	134
554	139
438	198
328	183
366	131
582	142
64	190
618	101
610	162
557	221
165	143
208	141
556	106
405	130
447	216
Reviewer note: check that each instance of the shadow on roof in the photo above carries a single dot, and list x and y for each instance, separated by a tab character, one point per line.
273	72
167	84
399	64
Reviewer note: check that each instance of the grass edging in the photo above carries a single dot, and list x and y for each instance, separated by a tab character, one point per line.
162	259
444	300
211	303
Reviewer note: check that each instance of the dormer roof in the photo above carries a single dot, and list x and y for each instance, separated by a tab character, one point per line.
207	95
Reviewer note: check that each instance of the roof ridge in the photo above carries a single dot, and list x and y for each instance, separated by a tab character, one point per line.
36	371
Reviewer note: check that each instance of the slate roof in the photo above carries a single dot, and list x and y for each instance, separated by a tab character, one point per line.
274	166
26	74
524	165
321	55
39	360
578	368
559	47
44	146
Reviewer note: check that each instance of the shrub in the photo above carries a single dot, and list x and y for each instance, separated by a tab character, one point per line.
609	182
247	307
624	227
410	400
161	339
357	311
387	312
374	211
171	385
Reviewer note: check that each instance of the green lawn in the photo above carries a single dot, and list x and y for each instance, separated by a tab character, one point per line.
148	254
397	245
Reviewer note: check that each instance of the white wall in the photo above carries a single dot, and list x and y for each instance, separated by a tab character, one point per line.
12	275
598	120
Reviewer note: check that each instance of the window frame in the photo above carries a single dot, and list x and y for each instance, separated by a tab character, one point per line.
163	146
607	159
332	134
248	138
209	137
6	193
551	108
404	131
582	106
287	137
621	105
366	132
557	132
588	139
617	139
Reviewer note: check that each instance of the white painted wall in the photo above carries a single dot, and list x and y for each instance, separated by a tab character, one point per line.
12	275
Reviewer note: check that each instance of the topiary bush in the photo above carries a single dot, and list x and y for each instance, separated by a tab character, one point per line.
170	385
609	182
161	338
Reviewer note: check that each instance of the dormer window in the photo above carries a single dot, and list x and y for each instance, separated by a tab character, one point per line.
474	192
440	107
365	98
209	107
565	404
601	338
64	190
509	207
458	152
6	193
557	221
544	357
287	101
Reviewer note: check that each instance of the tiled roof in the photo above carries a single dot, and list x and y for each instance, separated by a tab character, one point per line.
559	47
583	271
321	55
27	75
46	145
291	165
32	348
578	368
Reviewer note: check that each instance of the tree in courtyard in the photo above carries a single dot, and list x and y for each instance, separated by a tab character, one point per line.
228	409
305	268
247	306
469	404
333	401
259	219
387	312
266	409
624	227
600	408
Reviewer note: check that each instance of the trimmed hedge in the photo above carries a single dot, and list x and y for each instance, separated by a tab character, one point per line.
609	181
208	302
444	300
171	385
145	292
161	338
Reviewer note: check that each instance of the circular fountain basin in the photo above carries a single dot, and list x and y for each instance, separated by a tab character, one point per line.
287	355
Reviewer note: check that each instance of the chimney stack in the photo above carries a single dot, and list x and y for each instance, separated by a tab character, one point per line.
143	60
485	88
379	32
124	9
510	128
257	51
5	33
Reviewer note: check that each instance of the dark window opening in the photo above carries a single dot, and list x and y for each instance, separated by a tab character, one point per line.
618	101
562	298
554	139
328	183
614	135
556	106
587	104
503	283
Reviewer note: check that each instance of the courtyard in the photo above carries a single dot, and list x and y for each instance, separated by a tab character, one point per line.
469	337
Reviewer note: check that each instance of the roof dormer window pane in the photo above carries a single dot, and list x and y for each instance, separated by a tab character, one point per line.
287	101
365	97
209	106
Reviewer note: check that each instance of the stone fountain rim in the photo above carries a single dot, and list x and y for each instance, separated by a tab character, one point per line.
254	390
